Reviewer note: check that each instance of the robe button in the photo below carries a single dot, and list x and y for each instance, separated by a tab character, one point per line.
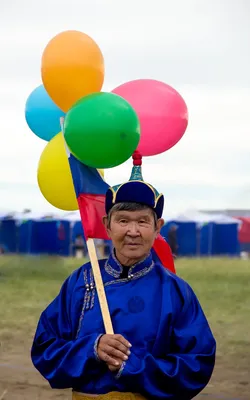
130	276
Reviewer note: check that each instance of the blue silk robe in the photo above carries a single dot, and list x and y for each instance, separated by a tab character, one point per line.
173	348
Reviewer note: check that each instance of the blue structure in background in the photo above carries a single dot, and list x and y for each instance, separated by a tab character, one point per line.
77	230
25	237
8	233
219	239
44	237
205	240
186	237
56	237
210	239
51	237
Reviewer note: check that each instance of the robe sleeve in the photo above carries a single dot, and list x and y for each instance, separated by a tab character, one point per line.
64	361
186	369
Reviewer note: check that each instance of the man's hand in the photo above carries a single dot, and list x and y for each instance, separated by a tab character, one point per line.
113	350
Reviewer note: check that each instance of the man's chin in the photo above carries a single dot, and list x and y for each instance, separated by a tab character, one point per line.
134	252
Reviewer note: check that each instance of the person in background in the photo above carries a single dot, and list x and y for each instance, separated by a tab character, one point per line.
61	235
2	250
172	239
99	244
79	246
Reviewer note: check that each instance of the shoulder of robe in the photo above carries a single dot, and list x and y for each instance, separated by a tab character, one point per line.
175	283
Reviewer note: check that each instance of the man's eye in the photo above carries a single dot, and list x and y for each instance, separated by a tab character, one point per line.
123	221
142	221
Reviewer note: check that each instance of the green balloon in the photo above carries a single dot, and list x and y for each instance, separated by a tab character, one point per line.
102	130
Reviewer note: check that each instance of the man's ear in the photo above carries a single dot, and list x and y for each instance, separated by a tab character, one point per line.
105	223
159	225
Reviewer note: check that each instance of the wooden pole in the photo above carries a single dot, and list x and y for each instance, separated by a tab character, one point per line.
99	286
97	274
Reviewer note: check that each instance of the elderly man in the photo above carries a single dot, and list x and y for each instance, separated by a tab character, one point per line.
162	348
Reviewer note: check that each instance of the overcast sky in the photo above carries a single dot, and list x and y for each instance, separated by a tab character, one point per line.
201	48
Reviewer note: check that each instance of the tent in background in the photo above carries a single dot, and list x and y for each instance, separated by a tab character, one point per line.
8	236
210	234
50	237
34	233
186	237
244	234
198	233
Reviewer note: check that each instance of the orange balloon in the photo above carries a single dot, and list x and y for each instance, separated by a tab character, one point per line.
72	67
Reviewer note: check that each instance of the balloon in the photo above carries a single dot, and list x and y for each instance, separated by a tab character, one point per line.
102	130
162	113
42	114
72	67
54	175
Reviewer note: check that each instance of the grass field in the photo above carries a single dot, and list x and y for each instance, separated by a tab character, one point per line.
28	284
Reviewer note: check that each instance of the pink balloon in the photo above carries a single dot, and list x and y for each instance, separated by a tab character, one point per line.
162	113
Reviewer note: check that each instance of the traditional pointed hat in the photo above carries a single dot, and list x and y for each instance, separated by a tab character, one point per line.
135	191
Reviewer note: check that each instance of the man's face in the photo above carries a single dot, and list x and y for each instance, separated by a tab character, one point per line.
133	234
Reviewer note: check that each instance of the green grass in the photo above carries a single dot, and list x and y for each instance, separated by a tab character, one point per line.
28	284
223	288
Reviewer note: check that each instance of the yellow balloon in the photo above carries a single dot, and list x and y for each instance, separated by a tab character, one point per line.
54	175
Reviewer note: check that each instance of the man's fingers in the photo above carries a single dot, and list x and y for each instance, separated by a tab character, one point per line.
109	360
115	344
113	349
117	354
122	340
121	347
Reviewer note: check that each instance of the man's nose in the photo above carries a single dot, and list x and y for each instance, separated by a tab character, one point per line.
133	229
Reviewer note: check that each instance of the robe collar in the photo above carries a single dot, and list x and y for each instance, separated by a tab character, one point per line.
114	268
